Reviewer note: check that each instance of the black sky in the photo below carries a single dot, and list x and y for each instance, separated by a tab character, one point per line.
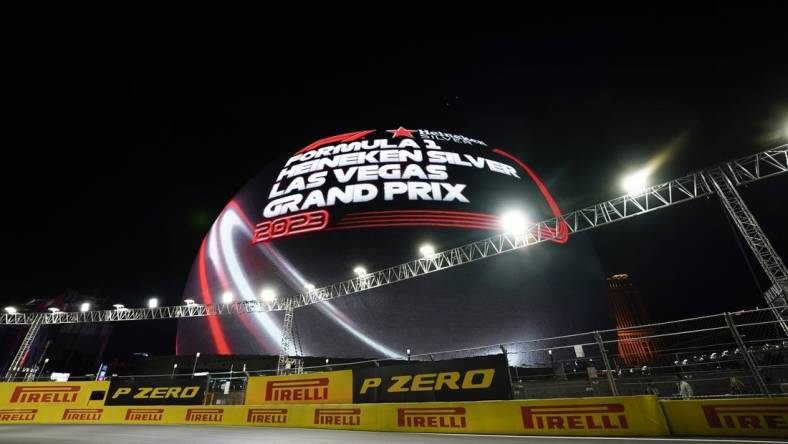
124	149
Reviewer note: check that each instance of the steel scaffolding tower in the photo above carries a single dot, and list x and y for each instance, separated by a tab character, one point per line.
287	339
24	349
720	180
759	244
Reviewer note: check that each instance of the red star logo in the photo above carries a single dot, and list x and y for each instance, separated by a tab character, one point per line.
401	132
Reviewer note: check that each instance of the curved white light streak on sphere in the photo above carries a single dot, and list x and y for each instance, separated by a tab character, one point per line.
213	246
230	221
213	255
332	312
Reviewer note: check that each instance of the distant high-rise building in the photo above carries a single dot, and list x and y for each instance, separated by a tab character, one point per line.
630	311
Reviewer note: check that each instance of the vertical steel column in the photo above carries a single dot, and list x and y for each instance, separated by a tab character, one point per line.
756	372
777	298
608	370
287	339
27	342
508	369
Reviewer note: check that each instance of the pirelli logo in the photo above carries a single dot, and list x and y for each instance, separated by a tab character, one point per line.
204	415
267	416
315	389
10	415
82	414
344	417
568	417
746	416
431	418
144	414
52	393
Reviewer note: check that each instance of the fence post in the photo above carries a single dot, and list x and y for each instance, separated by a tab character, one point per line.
756	372
508	371
610	380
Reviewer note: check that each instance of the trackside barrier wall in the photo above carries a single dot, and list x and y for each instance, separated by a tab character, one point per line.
36	394
766	417
312	388
623	416
83	403
453	380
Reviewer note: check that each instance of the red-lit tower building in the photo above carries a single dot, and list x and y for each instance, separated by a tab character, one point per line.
629	311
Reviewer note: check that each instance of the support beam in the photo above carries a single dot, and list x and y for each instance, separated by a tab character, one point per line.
17	364
741	171
756	239
745	352
287	339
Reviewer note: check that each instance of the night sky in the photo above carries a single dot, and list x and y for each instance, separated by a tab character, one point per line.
124	150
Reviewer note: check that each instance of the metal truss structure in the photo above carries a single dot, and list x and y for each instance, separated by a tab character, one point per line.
287	339
758	242
777	298
24	348
745	221
138	314
720	179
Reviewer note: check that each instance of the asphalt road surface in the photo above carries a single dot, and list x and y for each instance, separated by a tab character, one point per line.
122	434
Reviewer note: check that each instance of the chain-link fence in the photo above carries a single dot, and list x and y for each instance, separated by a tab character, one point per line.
723	355
728	354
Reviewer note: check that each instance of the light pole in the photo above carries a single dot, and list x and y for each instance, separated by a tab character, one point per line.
408	353
174	367
268	295
636	182
194	367
427	250
41	372
514	222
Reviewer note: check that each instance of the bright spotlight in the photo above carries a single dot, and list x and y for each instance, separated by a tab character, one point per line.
153	303
188	301
427	250
227	297
309	287
514	222
54	309
636	182
10	310
268	295
85	306
360	271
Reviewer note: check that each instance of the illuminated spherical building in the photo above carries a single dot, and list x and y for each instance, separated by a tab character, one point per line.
373	199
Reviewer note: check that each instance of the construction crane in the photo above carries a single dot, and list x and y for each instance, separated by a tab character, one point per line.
721	180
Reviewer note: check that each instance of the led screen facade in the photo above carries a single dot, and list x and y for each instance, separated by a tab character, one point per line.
370	199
